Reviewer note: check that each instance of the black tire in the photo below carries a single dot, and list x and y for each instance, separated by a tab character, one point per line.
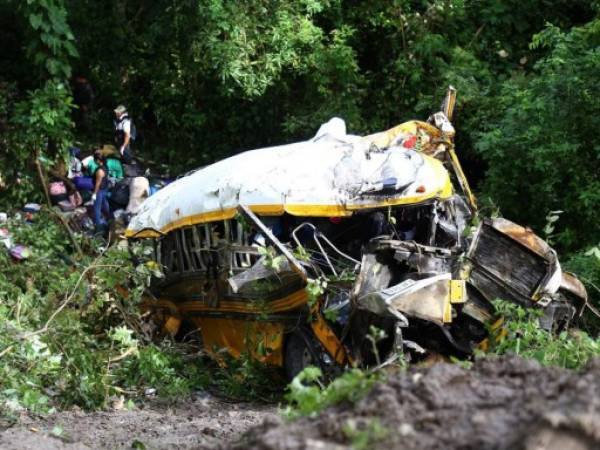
191	335
299	354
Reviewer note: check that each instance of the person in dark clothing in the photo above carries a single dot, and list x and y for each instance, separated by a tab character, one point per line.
99	197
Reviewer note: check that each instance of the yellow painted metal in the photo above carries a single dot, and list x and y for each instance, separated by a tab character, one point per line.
460	175
261	340
498	333
295	210
172	325
457	291
237	336
447	317
246	306
385	138
327	337
166	314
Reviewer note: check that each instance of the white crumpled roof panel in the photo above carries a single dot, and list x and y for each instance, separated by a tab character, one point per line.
331	170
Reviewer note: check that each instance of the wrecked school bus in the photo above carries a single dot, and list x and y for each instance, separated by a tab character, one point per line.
343	250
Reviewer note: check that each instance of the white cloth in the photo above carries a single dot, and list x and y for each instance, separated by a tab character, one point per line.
124	125
139	189
85	162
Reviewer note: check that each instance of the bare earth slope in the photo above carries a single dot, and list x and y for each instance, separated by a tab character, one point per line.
507	403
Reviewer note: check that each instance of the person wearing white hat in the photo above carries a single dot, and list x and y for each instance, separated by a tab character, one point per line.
123	133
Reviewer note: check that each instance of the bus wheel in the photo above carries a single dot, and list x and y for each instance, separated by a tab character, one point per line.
299	354
190	334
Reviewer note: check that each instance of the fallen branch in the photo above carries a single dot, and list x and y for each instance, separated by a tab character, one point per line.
590	283
593	310
6	350
123	355
590	307
68	299
40	172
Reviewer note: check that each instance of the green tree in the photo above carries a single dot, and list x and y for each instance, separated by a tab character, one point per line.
51	43
37	127
542	149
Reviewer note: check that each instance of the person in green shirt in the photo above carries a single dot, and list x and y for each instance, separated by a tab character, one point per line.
113	167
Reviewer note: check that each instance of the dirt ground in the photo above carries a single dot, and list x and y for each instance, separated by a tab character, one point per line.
502	404
201	422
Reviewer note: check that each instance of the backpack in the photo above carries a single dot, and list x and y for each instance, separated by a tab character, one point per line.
132	130
120	194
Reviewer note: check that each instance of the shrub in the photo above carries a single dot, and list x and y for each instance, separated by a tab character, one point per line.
522	335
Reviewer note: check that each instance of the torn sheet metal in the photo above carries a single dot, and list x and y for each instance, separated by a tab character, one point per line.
507	260
427	299
329	175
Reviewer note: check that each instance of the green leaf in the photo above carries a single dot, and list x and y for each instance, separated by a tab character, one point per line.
35	20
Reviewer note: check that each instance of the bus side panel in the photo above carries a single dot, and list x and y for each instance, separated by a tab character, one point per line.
262	340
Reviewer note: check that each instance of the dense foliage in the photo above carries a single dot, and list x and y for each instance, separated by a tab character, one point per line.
542	149
68	335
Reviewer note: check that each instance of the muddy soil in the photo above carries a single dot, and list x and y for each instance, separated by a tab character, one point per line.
201	422
507	403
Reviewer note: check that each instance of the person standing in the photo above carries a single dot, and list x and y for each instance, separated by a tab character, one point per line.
99	196
124	133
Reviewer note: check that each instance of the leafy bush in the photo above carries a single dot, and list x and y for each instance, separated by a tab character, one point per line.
246	378
163	368
522	335
308	396
586	265
67	333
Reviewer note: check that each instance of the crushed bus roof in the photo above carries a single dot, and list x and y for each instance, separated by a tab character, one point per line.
332	174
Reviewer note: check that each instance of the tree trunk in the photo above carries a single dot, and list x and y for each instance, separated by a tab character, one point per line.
40	172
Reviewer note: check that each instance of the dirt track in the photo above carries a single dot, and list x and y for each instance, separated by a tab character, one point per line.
197	423
500	404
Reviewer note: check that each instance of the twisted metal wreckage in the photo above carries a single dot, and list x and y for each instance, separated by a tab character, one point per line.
344	250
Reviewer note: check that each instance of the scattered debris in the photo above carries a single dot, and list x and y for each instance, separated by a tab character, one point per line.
20	252
17	252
